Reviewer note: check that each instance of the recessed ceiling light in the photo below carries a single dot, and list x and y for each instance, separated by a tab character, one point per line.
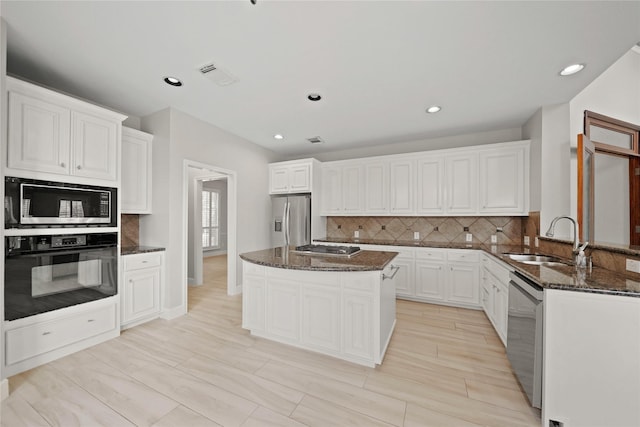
571	69
278	136
433	109
314	97
173	81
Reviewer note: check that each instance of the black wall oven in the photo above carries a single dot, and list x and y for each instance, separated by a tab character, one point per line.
30	203
49	272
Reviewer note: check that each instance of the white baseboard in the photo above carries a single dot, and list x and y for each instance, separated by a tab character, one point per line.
4	389
173	313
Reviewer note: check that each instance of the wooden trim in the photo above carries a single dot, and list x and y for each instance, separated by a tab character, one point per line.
588	115
634	201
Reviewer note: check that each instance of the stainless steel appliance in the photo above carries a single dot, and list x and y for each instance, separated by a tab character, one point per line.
30	203
45	273
291	220
524	335
343	251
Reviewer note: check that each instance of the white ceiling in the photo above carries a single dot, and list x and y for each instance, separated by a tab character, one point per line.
377	64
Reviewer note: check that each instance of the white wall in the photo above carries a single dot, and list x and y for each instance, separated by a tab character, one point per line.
219	185
532	130
615	93
611	210
178	136
463	140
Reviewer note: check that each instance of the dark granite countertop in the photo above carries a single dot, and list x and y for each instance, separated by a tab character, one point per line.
132	250
598	280
284	257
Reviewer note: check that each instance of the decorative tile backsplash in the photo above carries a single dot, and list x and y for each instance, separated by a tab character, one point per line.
129	230
507	229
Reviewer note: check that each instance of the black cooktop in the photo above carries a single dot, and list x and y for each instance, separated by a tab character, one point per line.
328	250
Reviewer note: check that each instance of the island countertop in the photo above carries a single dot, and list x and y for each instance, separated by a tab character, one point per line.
285	257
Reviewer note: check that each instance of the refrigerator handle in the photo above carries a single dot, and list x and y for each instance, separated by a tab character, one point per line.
285	220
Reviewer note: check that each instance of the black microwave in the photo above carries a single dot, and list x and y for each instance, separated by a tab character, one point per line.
30	203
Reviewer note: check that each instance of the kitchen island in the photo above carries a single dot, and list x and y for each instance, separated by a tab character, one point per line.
342	306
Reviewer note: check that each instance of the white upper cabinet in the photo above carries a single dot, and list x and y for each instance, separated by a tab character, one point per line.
136	171
402	181
430	188
291	177
376	183
462	183
51	133
480	180
352	189
504	180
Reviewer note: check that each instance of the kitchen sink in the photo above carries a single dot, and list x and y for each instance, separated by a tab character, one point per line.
533	259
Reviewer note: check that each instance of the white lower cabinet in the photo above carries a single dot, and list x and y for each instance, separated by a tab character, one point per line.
142	284
464	284
405	277
343	314
35	340
495	294
430	280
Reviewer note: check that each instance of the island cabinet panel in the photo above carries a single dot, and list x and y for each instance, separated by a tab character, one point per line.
320	317
358	318
337	313
283	309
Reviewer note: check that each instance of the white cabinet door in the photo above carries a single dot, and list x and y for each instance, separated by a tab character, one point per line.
358	324
300	178
331	190
404	278
463	284
431	173
278	179
376	182
141	295
430	280
401	186
39	135
95	147
462	184
352	189
501	310
136	172
253	302
283	309
502	176
321	317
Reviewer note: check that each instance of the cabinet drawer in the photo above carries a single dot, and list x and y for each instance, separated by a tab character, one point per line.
359	281
138	261
33	340
463	256
251	268
431	254
498	269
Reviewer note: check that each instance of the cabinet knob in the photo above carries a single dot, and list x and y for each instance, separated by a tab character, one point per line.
62	165
91	320
79	167
46	333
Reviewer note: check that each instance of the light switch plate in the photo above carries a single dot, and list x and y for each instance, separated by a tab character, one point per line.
469	237
416	235
356	234
494	238
633	265
536	241
526	240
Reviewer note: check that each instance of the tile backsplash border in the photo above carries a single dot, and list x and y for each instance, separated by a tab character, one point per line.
506	229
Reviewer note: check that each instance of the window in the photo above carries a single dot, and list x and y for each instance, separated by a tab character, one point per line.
210	222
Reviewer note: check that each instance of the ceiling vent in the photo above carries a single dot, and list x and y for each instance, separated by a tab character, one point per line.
219	76
315	140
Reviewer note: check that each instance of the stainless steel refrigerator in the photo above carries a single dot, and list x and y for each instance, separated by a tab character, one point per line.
291	220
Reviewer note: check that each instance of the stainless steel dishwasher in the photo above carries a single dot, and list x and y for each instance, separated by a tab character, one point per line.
524	335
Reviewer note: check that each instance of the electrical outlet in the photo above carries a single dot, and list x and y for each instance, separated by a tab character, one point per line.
469	237
633	265
356	234
536	241
494	238
416	235
526	240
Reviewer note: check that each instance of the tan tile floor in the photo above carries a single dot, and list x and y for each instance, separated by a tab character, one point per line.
444	367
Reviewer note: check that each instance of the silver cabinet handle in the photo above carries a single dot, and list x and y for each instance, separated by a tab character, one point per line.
395	269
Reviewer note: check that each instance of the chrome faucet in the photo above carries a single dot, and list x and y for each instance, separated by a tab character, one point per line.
576	234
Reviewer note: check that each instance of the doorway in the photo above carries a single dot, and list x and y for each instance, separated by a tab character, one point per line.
199	177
